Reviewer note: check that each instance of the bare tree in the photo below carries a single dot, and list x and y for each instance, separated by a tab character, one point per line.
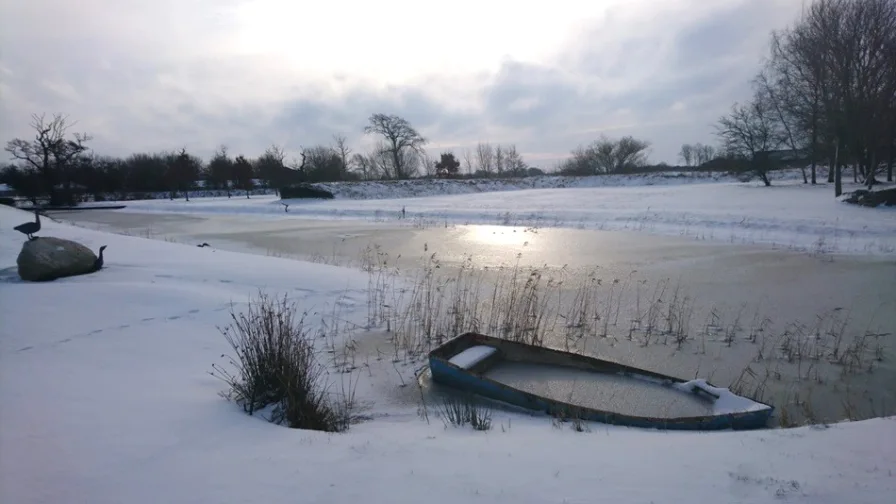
50	154
776	96
514	161
485	158
364	166
750	132
629	153
687	154
468	161
703	154
500	159
428	163
340	146
839	61
402	142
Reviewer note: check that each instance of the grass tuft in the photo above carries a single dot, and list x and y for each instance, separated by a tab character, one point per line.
276	366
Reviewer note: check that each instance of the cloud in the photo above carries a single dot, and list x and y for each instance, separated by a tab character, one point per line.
148	75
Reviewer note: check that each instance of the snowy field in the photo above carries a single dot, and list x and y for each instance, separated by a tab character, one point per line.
106	398
787	215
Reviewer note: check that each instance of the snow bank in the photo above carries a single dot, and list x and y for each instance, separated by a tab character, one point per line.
392	189
107	399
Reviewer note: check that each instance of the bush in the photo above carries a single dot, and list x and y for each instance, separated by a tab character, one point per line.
8	201
276	366
304	191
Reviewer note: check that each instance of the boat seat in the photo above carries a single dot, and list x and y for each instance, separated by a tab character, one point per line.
472	356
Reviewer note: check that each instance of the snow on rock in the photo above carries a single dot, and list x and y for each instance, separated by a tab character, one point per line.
107	399
472	356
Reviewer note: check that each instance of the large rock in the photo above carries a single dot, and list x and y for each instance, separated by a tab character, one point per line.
47	258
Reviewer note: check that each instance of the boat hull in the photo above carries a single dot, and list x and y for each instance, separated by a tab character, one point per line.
468	375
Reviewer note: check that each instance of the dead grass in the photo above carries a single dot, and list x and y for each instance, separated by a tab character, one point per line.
578	310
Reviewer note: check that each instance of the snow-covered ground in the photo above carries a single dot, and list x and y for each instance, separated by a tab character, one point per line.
414	188
789	214
106	398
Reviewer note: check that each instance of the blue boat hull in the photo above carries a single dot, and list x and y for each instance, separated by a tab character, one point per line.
472	380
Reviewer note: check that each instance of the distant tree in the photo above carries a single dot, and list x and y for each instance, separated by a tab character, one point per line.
183	171
703	153
629	154
447	165
25	180
500	159
271	168
607	156
341	148
220	170
402	142
750	131
485	158
687	154
364	166
513	162
243	174
51	155
468	161
323	164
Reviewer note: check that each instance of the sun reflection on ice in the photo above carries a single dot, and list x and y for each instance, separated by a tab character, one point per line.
500	236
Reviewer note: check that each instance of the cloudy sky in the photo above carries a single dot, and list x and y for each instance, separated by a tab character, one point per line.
144	75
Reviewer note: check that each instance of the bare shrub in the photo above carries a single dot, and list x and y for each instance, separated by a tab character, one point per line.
460	411
276	366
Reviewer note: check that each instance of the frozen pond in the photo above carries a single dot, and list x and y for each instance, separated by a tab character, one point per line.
768	301
602	391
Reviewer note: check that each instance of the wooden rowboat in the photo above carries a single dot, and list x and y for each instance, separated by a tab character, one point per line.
614	393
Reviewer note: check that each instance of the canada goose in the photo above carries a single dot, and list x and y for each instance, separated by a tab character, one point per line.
29	228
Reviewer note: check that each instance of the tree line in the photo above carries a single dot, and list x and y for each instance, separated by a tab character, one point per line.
826	92
57	164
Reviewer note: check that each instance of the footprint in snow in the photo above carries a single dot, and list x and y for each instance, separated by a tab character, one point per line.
25	349
174	317
124	326
226	281
193	311
147	319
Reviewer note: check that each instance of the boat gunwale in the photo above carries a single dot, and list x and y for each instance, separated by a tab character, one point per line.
446	350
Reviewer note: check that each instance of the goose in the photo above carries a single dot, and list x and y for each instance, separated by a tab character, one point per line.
98	264
29	228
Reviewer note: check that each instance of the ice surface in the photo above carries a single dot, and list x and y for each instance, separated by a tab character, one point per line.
472	356
603	391
787	215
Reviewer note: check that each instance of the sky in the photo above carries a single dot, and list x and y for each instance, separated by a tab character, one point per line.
147	75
